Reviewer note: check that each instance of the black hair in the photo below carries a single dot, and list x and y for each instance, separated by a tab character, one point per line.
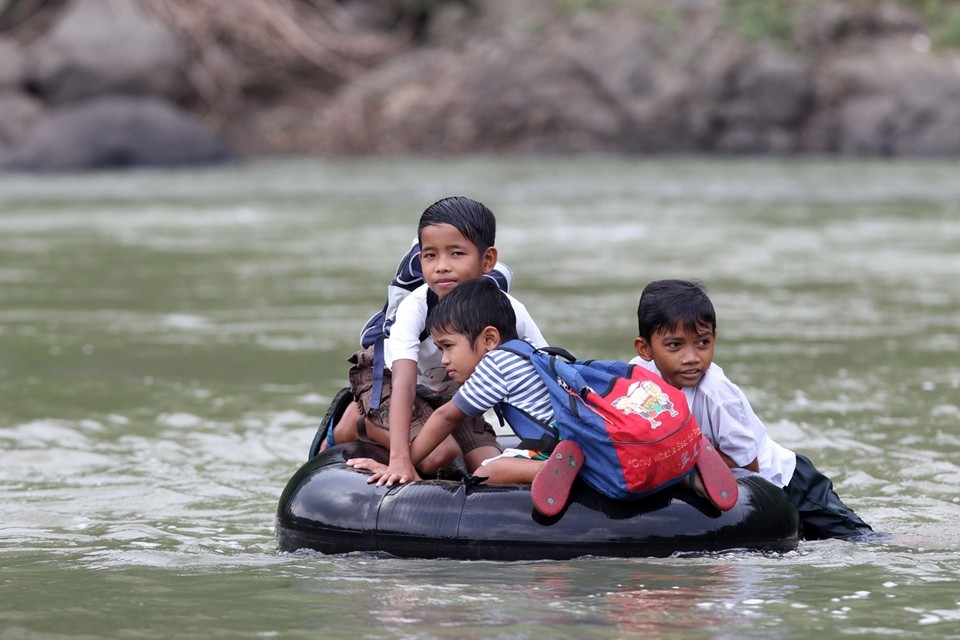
666	304
471	218
472	306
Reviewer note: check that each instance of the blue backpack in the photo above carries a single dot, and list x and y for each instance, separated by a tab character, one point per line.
636	431
409	277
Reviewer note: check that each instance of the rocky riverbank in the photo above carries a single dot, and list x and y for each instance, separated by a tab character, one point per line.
106	83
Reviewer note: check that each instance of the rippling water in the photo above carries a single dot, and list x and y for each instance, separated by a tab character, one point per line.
168	342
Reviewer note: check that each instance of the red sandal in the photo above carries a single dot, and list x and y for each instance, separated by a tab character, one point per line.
719	485
551	486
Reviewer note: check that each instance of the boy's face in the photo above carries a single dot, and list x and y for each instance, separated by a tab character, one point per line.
681	355
460	355
448	258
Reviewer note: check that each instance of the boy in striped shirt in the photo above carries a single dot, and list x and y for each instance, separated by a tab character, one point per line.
468	326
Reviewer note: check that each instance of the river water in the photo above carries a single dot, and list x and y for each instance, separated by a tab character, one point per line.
169	341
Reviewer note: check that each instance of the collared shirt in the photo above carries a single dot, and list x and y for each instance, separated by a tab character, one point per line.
404	343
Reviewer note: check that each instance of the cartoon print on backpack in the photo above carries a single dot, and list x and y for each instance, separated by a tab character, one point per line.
646	399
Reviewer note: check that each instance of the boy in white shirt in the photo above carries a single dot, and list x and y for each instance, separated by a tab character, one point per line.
677	334
456	237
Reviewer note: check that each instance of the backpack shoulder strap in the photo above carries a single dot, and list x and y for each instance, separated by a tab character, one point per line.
379	362
376	389
520	420
432	300
521	348
558	368
526	350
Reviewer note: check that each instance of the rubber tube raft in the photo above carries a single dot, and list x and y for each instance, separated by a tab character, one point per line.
329	507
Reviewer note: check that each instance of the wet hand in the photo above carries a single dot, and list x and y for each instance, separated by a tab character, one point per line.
394	474
366	464
382	474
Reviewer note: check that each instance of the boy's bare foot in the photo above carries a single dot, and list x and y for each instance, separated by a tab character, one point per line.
550	489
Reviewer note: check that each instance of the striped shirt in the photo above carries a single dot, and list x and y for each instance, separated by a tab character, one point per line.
505	377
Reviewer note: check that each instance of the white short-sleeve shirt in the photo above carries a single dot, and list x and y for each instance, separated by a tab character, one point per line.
404	343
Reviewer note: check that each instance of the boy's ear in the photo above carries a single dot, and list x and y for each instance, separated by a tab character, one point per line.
490	338
489	260
643	348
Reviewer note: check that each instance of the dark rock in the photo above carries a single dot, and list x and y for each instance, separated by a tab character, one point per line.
11	65
117	133
750	101
21	112
888	100
515	76
106	48
834	23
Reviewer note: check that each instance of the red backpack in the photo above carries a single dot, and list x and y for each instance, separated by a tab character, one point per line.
635	430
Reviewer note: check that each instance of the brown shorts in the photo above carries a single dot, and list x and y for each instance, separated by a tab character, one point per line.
470	434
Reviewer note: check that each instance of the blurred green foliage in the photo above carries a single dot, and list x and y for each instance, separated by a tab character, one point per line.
585	5
756	20
759	20
942	18
776	20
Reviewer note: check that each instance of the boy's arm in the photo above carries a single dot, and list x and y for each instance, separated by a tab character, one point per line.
438	427
447	416
404	389
404	346
440	424
753	465
736	430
